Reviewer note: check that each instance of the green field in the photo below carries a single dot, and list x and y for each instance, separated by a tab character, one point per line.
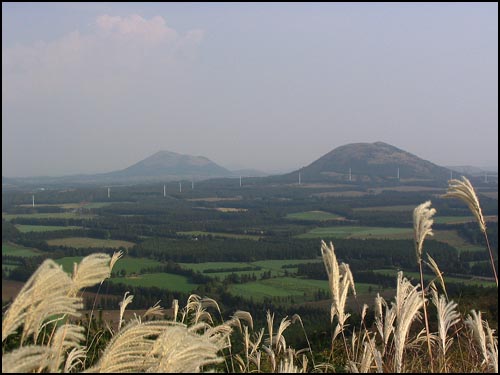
71	206
42	228
129	264
313	216
266	265
177	283
452	238
17	250
358	232
79	242
277	264
427	278
452	219
220	234
200	267
300	289
408	208
51	215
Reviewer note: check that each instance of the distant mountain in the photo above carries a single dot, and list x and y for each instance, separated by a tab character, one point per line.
372	163
170	165
162	166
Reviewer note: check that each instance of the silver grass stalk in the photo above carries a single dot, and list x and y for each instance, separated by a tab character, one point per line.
422	224
493	356
116	256
365	362
155	310
464	191
433	266
447	317
271	356
43	295
76	359
296	317
256	342
175	308
180	350
128	349
492	347
287	365
340	279
384	322
27	359
67	337
92	270
279	338
270	323
486	341
123	305
241	363
408	304
245	316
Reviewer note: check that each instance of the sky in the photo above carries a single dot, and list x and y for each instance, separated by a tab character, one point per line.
97	87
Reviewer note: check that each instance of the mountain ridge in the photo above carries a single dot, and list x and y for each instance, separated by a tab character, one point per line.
372	163
377	162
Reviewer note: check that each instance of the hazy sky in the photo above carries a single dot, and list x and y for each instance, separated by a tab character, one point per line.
95	87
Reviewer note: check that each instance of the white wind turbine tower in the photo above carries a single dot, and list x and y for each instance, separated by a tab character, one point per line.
180	187
398	173
350	176
33	200
164	190
240	181
192	184
299	178
109	191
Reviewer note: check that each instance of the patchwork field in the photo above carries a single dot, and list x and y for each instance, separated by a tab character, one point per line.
238	268
220	234
42	228
452	238
50	215
358	232
447	279
78	242
214	199
168	281
408	208
230	209
130	265
314	216
72	206
300	289
17	250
